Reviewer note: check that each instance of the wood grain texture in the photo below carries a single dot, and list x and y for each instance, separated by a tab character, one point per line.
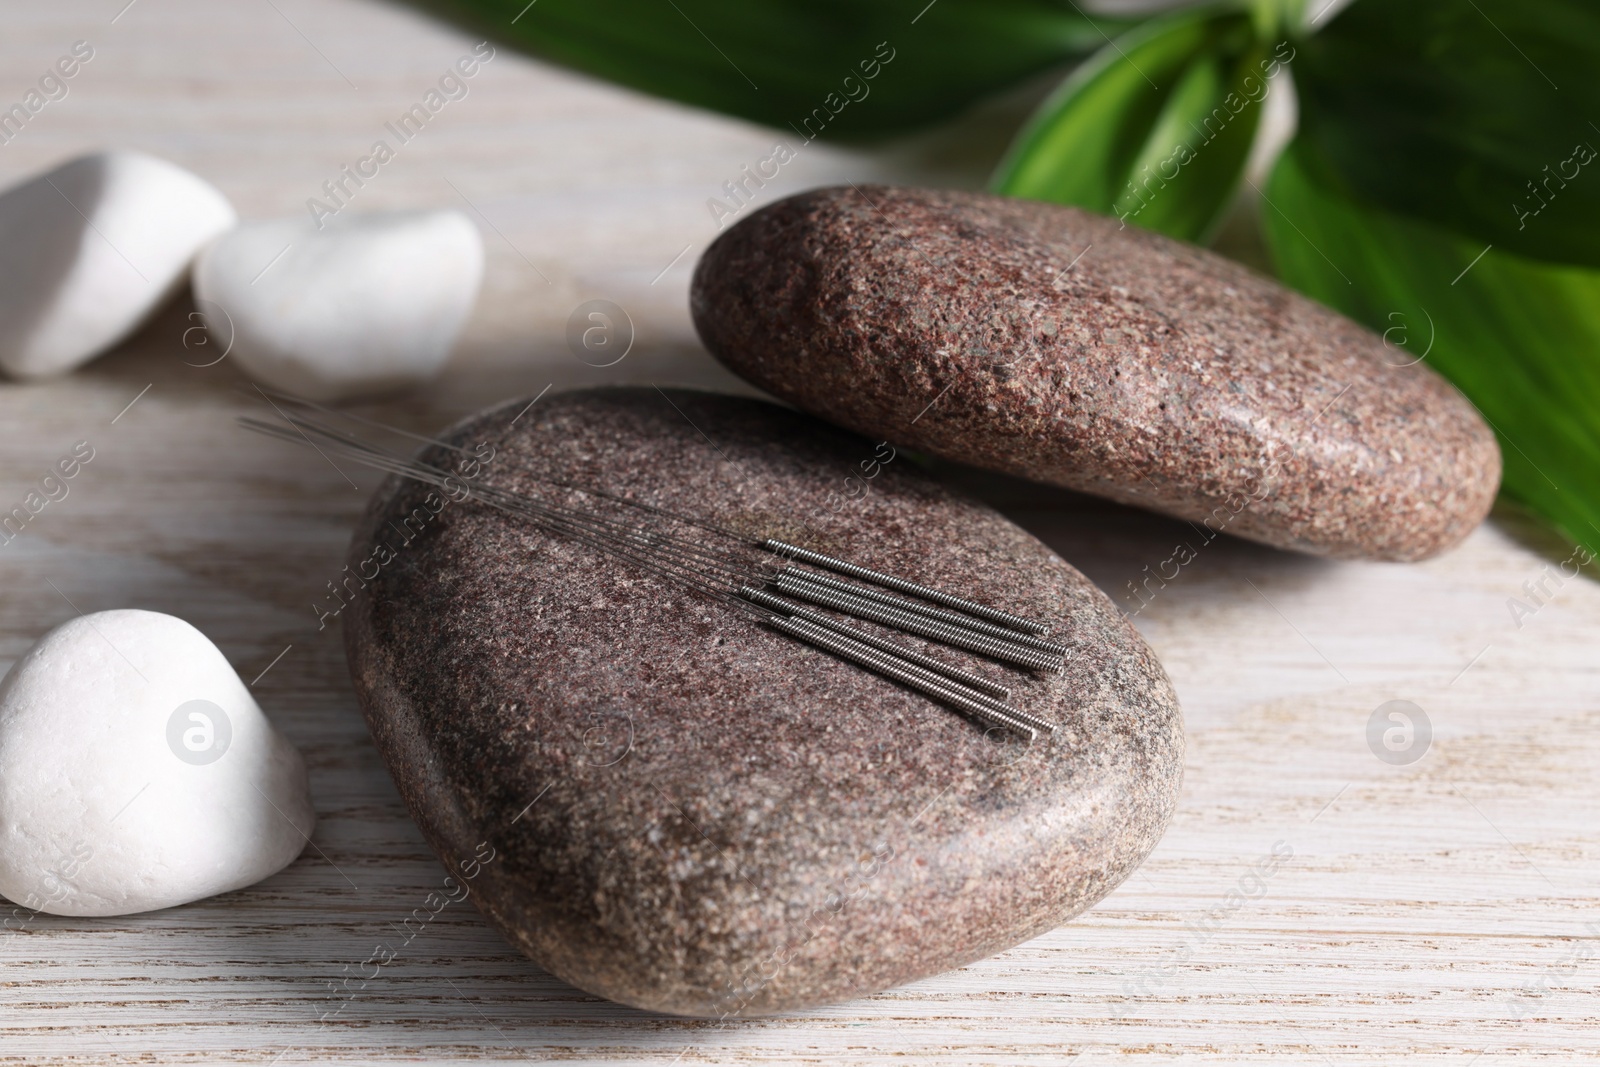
1445	911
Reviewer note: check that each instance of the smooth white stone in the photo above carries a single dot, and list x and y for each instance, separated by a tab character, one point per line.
108	806
366	304
89	250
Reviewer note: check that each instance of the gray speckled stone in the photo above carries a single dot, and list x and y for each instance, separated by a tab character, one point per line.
1047	342
724	821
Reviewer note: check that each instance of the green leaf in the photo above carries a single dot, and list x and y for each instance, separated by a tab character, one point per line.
784	62
1079	145
1204	158
1473	114
1518	336
1156	128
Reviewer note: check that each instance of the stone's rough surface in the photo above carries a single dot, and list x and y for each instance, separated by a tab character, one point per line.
90	249
366	304
136	771
691	813
1047	342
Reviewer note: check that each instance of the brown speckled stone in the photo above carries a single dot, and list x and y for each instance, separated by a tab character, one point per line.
1151	372
724	821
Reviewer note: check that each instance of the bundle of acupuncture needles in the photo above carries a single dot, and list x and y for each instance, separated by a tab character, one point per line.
780	585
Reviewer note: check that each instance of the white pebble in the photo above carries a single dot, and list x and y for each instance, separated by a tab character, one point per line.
137	772
367	304
90	249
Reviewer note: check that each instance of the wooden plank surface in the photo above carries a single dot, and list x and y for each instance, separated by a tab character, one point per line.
1442	911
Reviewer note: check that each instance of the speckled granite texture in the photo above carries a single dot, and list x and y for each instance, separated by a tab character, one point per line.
1046	342
692	814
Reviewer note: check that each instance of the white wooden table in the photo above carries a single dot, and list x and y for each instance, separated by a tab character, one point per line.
1445	910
